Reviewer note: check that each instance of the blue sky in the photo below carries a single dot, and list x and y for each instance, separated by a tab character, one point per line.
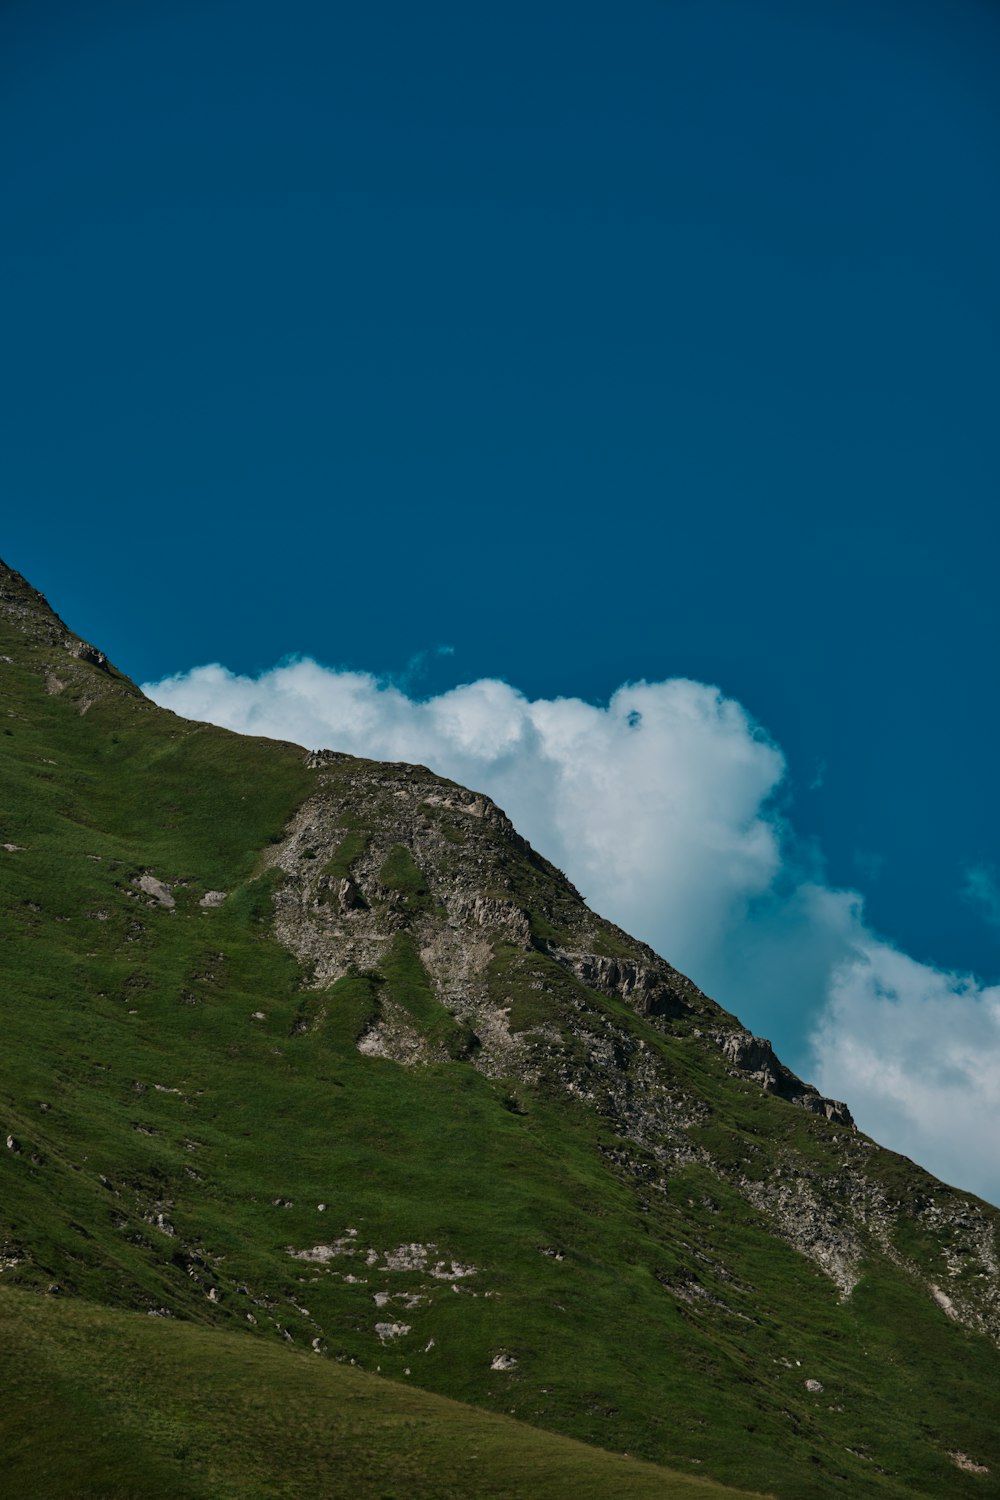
594	347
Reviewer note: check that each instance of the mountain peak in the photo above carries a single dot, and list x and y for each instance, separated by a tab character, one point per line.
35	623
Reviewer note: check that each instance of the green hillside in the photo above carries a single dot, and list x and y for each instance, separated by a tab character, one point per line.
112	1404
311	1062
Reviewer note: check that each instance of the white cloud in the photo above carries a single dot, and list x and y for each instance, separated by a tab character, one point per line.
918	1052
660	807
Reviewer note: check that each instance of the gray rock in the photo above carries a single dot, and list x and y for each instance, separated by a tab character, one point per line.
150	886
387	1331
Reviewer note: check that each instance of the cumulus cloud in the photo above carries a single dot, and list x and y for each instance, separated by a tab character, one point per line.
663	807
918	1051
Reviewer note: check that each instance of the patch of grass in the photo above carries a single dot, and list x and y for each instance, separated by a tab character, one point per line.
351	847
401	874
410	987
352	1007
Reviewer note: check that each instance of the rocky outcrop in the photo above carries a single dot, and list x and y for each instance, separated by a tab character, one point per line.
83	651
61	659
755	1057
502	917
652	991
317	759
158	892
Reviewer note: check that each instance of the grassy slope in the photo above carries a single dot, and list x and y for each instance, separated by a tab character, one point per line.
106	997
114	1406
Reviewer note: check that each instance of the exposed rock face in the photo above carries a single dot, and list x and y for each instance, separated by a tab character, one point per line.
818	1229
755	1056
656	990
349	898
85	652
511	952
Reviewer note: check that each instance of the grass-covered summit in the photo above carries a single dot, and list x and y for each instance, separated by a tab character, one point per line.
311	1063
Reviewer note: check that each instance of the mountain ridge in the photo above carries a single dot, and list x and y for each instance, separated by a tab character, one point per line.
359	974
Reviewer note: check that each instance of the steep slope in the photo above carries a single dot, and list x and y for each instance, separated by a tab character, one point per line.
319	1049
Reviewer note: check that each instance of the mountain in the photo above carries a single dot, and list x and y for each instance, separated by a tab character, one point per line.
316	1072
